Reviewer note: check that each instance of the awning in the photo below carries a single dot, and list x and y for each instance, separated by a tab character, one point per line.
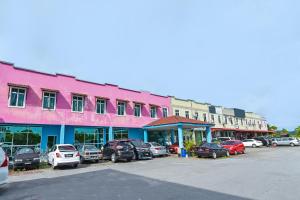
241	130
78	94
101	97
17	85
122	100
50	90
154	105
138	102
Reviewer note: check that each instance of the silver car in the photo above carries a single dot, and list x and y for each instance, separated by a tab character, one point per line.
88	153
157	149
285	141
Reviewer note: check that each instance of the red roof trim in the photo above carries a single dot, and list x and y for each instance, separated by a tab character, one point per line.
240	130
175	120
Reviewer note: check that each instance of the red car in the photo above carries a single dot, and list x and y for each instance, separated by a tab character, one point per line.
234	146
174	148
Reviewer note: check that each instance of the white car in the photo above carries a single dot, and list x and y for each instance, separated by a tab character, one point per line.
63	155
3	168
252	143
157	149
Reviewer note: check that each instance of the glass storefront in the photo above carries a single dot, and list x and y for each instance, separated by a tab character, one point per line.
15	137
120	133
92	136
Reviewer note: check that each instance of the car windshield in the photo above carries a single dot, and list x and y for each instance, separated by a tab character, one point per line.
155	144
137	143
25	150
66	148
90	148
228	142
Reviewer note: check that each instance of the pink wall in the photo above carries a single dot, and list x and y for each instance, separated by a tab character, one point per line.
66	85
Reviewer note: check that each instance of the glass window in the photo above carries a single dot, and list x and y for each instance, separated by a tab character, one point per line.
90	136
153	112
137	110
204	117
77	103
16	137
17	97
213	118
120	133
101	106
177	112
121	108
165	112
187	114
219	119
49	100
196	116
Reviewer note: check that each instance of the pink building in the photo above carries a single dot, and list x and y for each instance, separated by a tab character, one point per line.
43	109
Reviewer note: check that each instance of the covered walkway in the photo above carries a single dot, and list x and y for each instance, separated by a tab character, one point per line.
177	123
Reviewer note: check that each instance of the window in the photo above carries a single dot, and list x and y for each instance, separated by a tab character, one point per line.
187	114
204	117
213	118
101	106
153	113
90	136
120	133
225	117
177	112
196	116
242	122
165	112
231	121
219	119
17	97
121	108
77	103
49	100
137	110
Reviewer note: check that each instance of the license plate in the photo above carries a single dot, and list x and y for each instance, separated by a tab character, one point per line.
68	155
28	163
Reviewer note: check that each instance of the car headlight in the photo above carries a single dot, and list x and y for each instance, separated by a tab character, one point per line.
18	160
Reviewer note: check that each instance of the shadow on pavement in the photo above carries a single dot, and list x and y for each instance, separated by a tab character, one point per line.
107	184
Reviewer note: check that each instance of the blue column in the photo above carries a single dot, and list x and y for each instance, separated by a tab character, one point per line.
62	134
180	136
104	136
172	136
208	134
110	134
145	135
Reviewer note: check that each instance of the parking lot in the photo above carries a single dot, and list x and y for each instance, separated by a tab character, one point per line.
262	173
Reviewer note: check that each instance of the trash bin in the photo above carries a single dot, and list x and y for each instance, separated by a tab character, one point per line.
183	153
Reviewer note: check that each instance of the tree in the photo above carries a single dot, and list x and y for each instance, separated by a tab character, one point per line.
272	127
297	132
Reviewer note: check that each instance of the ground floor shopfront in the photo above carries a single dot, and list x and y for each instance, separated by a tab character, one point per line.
239	134
43	137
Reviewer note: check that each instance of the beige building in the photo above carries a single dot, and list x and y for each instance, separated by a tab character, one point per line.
228	122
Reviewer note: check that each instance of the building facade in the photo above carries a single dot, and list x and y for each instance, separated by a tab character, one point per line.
39	109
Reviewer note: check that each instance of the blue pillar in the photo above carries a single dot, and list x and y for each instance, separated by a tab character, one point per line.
62	134
104	136
180	136
172	136
145	135
110	134
208	135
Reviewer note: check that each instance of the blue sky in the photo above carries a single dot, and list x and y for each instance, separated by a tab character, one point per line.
235	53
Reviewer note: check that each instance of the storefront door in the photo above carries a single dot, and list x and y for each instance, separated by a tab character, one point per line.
51	141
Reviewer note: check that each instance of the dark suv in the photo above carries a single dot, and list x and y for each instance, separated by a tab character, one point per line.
264	140
141	150
118	150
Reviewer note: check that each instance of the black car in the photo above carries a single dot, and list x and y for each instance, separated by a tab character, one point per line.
212	150
26	158
141	150
118	150
266	142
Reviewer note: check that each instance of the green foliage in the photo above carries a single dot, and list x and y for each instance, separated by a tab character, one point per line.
189	145
297	132
272	127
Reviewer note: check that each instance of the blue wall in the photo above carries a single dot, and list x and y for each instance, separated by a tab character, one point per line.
49	130
69	135
136	133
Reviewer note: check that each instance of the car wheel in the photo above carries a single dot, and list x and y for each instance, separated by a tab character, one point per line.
235	153
253	145
81	160
113	158
134	157
244	151
214	155
128	159
96	161
75	165
292	144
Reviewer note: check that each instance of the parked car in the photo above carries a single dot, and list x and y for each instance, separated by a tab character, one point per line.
3	167
63	155
118	150
252	143
234	146
285	141
157	149
212	150
222	139
141	150
88	153
174	148
266	142
26	158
